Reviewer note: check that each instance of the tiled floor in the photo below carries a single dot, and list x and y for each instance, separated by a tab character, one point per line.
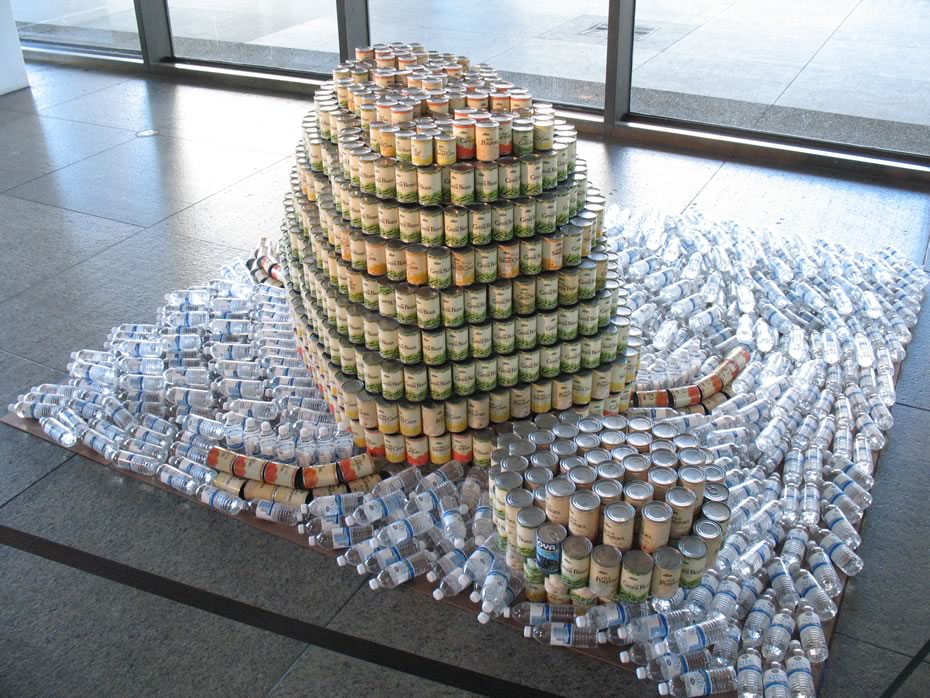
827	70
96	224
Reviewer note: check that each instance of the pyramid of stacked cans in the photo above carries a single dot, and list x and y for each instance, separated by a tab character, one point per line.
445	258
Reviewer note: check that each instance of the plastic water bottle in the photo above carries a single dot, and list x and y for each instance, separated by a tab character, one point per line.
775	681
250	436
695	637
668	666
404	480
342	536
727	649
452	560
531	613
472	487
333	504
810	630
183	483
482	525
277	512
820	565
58	432
267	440
479	563
840	554
759	619
221	501
798	669
749	674
451	585
285	449
811	591
778	635
613	615
431	499
783	584
563	634
726	599
650	628
700	597
703	682
453	524
376	509
403	570
401	530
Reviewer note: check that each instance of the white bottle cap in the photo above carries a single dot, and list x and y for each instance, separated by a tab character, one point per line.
581	621
487	607
350	521
507	612
483	618
663	689
438	595
360	568
479	540
601	638
641	673
528	631
311	541
373	583
303	529
341	561
625	657
431	576
266	426
459	543
475	596
463	508
464	580
305	433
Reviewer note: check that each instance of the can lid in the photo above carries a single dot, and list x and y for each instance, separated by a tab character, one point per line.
657	512
664	458
515	464
610	471
621	452
619	512
583	475
639	424
693	547
560	487
716	492
691	474
569	417
538	476
589	426
639	440
546	421
691	456
707	529
668	558
585	501
531	517
606	556
587	441
683	441
637	561
519	498
545	459
507	481
716	511
596	456
663	477
638	490
612	439
635	463
680	497
608	489
551	533
542	438
522	448
714	474
577	547
665	431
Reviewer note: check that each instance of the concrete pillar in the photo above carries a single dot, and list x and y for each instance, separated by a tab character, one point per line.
12	68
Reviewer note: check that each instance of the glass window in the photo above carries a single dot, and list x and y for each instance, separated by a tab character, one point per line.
849	71
556	49
297	35
92	23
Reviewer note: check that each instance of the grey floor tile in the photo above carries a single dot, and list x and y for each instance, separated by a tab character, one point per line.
334	674
25	460
917	684
144	180
64	632
35	145
414	622
857	669
56	238
18	375
646	178
913	386
885	604
696	108
100	511
863	216
256	200
7	115
49	86
125	283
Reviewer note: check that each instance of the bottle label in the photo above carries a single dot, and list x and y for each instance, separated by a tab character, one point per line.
560	634
749	662
691	639
697	683
656	627
796	664
264	510
539	613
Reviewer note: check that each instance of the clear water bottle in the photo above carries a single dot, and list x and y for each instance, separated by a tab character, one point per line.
727	650
431	499
840	554
783	584
404	480
452	521
759	619
613	615
532	613
811	591
726	599
58	432
334	504
343	536
810	630
778	635
277	512
650	628
221	501
794	547
695	637
397	531
798	670
305	449
452	560
452	584
703	682
749	674
482	524
403	570
562	635
377	509
451	471
699	598
250	436
479	563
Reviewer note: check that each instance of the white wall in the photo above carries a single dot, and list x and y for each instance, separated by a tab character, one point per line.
12	69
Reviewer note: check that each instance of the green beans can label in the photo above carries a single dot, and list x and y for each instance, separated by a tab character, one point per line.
529	365
508	175
453	307
568	322
587	280
545	214
588	314
590	352
405	183
405	302
563	205
550	361
456	226
486	182
388	220
486	264
524	218
457	343
408	344
476	304
434	347
547	291
568	286
508	370
431	225
371	224
500	299
462	183
479	224
440	382
531	175
481	338
463	378
504	336
525	332
385	183
416	383
486	374
570	356
531	256
547	327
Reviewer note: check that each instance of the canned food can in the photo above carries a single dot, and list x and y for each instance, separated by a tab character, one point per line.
694	554
712	535
682	501
576	561
635	577
457	347
604	574
439	270
584	514
656	524
549	539
558	500
666	574
462	183
529	520
416	383
428	308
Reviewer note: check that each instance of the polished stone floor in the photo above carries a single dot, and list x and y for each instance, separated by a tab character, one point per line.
98	222
849	71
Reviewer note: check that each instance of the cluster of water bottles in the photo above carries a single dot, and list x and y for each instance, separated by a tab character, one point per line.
219	367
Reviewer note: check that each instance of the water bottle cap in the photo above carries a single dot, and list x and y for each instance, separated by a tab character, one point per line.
663	689
311	541
641	673
601	638
528	631
350	520
360	568
303	529
479	540
459	543
487	607
463	508
581	621
464	580
438	595
483	618
373	583
475	596
341	560
625	657
431	576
